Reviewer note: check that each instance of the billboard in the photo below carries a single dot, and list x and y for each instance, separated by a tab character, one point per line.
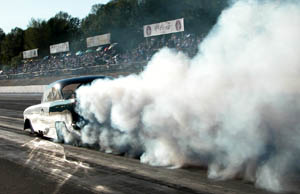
98	40
167	27
30	54
59	48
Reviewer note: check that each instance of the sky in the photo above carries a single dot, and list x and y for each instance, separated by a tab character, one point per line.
18	13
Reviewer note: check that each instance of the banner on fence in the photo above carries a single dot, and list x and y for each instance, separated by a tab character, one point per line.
98	40
161	28
30	54
59	48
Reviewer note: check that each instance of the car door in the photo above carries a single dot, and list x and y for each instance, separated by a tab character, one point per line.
51	96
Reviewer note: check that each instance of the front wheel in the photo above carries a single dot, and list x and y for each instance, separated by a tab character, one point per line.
27	125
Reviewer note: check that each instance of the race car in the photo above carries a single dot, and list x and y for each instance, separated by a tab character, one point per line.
57	108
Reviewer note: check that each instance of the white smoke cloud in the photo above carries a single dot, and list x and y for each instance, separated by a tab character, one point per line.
234	108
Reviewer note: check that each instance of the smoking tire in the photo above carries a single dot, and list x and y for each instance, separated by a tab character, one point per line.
59	133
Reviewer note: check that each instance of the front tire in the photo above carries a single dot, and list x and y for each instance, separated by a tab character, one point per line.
27	125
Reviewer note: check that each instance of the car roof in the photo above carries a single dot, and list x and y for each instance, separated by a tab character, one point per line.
81	79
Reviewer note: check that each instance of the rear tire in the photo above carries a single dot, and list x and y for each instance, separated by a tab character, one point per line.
59	125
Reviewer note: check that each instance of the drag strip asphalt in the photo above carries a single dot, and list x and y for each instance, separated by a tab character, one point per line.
42	166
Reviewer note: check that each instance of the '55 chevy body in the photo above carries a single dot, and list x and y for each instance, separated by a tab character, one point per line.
57	108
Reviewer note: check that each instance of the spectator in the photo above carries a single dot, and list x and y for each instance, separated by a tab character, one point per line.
187	43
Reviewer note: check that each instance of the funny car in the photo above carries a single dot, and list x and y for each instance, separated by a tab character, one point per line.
57	107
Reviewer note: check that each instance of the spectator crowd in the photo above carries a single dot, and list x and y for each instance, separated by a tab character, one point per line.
110	55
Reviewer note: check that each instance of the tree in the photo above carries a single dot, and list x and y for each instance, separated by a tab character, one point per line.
63	15
37	36
60	28
124	19
12	45
95	8
2	36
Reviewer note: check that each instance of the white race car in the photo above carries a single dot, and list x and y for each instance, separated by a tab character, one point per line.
56	111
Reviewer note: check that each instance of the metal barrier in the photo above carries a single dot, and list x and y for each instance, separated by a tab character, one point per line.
97	69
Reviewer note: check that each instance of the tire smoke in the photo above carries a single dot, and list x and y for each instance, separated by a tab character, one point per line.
233	108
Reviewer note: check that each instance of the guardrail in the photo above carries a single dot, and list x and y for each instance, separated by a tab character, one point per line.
112	68
36	89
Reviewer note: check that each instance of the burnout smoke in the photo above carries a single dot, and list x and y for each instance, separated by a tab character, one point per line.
234	108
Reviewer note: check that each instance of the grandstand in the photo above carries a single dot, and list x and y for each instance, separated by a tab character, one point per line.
102	59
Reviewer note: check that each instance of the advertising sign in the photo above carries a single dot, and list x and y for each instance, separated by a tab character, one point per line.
167	27
30	54
98	40
59	48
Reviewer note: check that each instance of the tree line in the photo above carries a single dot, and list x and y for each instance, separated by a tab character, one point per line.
124	19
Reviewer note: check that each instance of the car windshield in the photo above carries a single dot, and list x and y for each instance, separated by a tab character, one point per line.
51	94
66	89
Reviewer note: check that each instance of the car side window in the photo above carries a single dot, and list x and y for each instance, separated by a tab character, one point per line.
68	91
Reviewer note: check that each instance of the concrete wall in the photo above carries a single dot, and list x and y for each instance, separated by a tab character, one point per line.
22	89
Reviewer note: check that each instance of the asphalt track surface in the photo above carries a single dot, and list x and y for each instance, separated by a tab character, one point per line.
30	164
